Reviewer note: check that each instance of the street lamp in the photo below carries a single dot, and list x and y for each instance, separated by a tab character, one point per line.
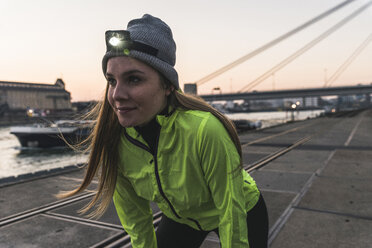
293	106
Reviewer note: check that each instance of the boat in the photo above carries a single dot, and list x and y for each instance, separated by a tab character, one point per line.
243	124
50	135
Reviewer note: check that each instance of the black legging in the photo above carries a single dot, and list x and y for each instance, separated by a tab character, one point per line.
172	234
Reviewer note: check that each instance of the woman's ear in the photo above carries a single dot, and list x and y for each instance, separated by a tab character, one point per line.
168	90
168	86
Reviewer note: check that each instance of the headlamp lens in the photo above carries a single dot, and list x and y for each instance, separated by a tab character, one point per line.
114	41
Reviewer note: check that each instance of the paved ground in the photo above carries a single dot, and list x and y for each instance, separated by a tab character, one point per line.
318	194
334	206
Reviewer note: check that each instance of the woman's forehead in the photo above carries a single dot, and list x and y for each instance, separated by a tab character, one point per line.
124	63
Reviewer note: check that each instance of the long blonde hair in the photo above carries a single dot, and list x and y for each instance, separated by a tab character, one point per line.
103	147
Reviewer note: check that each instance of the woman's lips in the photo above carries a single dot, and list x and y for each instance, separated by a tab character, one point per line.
124	109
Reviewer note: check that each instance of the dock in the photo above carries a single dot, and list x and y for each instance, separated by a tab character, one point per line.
315	176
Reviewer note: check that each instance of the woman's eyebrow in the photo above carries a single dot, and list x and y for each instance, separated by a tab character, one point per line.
108	74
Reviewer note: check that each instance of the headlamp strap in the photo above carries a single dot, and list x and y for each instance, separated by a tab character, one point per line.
141	47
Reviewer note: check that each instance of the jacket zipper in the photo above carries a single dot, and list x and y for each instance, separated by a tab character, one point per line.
143	146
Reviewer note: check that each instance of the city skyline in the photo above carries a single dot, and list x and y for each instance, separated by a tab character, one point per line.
45	40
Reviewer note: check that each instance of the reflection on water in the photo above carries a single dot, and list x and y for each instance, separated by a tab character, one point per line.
40	154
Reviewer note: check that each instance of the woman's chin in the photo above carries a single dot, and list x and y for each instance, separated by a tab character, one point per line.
126	123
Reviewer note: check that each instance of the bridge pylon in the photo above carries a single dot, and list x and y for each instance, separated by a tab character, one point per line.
191	88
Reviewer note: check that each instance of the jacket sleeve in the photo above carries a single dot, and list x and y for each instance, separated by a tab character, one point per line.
220	161
135	214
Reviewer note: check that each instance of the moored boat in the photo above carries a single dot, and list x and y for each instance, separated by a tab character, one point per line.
243	125
52	135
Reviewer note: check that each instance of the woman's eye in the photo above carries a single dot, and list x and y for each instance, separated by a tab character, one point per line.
111	81
134	79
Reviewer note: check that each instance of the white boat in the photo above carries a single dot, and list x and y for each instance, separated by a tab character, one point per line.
243	125
50	135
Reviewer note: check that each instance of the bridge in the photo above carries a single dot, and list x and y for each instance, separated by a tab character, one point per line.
247	93
292	93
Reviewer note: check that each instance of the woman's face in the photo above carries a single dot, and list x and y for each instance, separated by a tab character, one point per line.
135	92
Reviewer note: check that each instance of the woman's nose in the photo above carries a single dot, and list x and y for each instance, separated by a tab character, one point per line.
120	92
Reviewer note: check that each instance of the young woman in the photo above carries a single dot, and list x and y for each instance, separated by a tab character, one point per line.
152	143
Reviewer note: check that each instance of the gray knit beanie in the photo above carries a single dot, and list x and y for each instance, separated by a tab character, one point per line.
154	33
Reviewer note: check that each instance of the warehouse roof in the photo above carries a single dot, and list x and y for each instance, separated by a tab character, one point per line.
58	85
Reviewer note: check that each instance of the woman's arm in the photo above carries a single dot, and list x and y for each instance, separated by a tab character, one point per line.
135	214
221	164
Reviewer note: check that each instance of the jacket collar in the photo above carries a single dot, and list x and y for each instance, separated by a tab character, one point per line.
165	121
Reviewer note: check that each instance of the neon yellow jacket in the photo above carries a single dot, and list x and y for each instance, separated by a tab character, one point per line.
192	177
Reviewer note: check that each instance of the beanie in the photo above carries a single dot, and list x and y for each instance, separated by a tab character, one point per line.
154	33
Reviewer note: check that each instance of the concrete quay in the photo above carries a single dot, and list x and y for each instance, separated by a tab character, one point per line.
333	205
318	193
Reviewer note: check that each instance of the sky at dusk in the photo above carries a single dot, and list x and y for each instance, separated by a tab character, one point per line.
42	40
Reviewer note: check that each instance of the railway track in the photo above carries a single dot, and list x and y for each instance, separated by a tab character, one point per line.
122	239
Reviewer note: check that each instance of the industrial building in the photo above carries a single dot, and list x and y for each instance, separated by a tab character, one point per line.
19	97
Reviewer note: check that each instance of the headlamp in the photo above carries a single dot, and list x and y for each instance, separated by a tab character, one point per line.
114	41
119	41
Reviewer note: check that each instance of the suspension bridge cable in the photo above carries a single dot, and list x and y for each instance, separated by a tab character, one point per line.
303	49
272	43
349	60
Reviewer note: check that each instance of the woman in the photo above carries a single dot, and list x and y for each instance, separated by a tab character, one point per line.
152	143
